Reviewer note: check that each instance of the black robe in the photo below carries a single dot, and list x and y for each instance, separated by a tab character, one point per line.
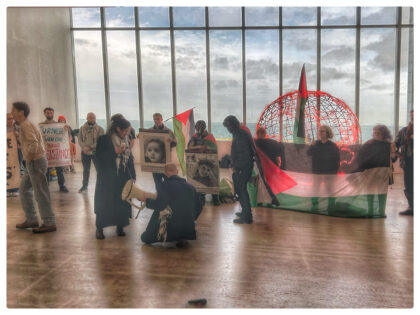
110	209
178	195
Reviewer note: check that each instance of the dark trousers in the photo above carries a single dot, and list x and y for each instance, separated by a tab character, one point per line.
86	167
60	175
158	178
409	181
240	181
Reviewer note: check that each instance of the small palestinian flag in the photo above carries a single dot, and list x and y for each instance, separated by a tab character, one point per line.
299	126
183	130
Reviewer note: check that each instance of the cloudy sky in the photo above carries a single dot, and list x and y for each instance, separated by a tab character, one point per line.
262	61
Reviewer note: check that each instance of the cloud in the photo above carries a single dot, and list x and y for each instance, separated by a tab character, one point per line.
384	48
340	53
262	69
85	42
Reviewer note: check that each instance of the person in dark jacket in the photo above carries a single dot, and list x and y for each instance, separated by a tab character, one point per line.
270	147
175	210
242	154
405	146
115	166
325	161
376	152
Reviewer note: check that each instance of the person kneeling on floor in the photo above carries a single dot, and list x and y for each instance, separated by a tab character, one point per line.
175	210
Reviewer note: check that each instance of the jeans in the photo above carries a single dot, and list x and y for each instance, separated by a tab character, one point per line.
86	167
240	180
60	175
33	182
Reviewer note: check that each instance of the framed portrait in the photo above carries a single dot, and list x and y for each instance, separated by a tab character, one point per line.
155	150
203	171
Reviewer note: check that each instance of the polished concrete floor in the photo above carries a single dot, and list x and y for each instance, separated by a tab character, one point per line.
285	259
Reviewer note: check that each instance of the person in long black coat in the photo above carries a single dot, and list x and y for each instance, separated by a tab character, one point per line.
115	166
175	210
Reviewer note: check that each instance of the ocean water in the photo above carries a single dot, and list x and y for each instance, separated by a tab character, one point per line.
220	132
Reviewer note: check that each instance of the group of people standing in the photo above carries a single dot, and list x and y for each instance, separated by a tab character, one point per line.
178	204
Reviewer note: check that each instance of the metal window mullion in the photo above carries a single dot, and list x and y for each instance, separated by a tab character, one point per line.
397	71
208	69
173	68
243	69
105	64
281	69
318	63
73	57
139	69
357	64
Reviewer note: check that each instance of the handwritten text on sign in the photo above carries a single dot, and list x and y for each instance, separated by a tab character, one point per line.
56	140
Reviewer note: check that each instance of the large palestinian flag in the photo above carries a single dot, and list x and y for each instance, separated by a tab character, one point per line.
183	130
359	189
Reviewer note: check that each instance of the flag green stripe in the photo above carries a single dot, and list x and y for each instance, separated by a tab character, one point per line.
180	145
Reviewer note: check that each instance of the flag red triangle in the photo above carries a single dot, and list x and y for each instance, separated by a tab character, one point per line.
183	117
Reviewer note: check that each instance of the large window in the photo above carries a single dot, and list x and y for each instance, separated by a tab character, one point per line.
234	61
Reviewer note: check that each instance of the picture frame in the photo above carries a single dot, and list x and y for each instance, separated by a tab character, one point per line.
155	150
203	171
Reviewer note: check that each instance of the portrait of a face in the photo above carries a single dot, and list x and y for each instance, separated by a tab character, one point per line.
154	151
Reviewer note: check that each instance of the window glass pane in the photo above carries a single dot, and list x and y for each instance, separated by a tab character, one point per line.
406	15
188	16
377	66
260	16
191	79
122	67
90	75
338	64
156	75
300	16
404	74
226	79
378	15
225	16
154	16
338	15
299	47
119	17
262	72
86	17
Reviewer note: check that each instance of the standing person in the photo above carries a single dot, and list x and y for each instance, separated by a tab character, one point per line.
72	146
49	115
325	161
157	118
203	141
114	162
270	147
11	127
405	146
242	162
88	138
33	181
174	211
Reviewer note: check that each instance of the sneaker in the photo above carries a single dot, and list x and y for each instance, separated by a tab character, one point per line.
100	234
27	225
239	214
83	189
409	211
120	231
44	229
64	189
15	194
9	194
242	220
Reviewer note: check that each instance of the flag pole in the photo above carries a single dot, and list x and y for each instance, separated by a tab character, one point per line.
176	115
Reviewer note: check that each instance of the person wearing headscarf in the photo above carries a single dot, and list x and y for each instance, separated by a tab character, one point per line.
203	141
115	166
242	154
405	145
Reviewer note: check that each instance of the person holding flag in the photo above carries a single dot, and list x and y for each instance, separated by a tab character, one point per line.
203	141
184	130
157	118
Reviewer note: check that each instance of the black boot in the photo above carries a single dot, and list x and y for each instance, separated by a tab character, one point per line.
100	234
120	231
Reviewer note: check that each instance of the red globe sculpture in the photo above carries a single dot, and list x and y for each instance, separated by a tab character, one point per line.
278	118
